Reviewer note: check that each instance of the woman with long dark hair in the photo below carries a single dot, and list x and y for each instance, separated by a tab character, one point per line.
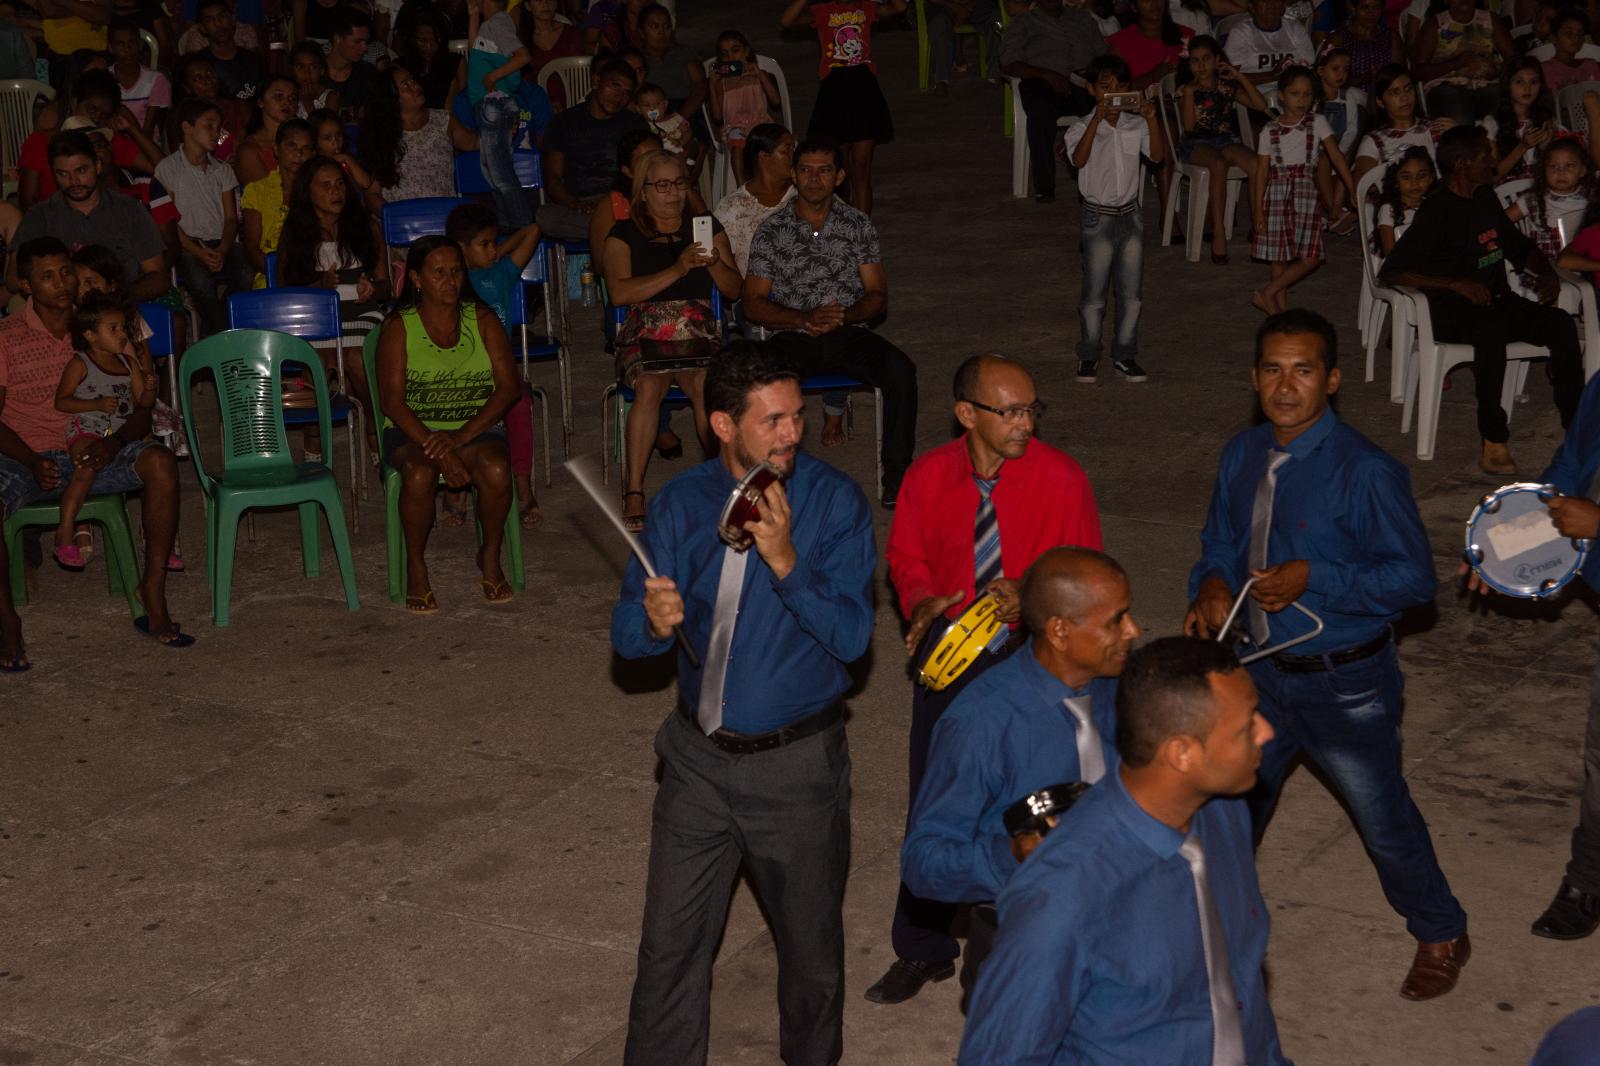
257	153
425	51
408	146
446	379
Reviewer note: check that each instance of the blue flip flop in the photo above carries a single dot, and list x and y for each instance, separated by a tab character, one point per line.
179	639
16	667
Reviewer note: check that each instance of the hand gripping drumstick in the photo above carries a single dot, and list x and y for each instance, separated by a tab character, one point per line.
581	468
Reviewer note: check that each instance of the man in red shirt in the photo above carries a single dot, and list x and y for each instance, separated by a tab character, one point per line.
972	515
34	463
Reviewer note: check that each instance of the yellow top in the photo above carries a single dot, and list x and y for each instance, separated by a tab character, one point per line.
265	197
66	36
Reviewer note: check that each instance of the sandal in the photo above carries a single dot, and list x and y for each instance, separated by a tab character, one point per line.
68	557
177	639
633	523
423	604
1219	260
530	516
454	517
175	563
495	591
84	539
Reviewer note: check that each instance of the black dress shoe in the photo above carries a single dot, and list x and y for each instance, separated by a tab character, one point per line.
1572	915
906	978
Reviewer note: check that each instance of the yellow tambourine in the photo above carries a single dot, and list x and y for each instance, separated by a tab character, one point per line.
977	628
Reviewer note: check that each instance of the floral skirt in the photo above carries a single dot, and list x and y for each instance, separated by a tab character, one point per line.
663	337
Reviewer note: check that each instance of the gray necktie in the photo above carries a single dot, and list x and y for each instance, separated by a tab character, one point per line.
1091	759
1260	526
729	587
1227	1030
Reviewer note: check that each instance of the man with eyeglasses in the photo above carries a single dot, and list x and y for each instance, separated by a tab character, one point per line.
815	278
974	514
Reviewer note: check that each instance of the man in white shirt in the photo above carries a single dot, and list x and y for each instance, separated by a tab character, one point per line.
1108	149
1267	43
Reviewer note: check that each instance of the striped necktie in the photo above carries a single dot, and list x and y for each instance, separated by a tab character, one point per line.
985	537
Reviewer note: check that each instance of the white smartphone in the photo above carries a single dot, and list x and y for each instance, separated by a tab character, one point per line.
702	234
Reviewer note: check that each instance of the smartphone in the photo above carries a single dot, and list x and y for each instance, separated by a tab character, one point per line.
1124	101
731	69
702	233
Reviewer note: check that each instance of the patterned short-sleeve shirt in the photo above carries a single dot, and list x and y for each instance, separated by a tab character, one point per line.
809	268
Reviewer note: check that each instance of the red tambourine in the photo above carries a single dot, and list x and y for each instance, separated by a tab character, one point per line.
744	506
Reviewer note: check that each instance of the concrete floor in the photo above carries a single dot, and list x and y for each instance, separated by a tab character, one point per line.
323	837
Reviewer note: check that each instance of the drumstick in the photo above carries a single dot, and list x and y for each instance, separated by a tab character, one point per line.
580	467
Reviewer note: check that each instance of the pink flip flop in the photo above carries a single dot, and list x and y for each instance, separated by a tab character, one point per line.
68	557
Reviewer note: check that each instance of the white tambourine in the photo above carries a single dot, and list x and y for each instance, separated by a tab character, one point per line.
1514	547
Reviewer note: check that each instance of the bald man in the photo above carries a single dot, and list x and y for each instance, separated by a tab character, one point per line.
1044	716
972	515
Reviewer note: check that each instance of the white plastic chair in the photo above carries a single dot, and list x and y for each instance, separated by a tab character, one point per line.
1569	106
576	74
154	46
16	122
1548	51
459	46
1021	158
1198	177
1227	24
722	165
1379	300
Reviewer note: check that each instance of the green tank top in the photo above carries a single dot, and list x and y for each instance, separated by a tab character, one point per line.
445	387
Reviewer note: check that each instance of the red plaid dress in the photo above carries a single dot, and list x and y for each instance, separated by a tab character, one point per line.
1293	228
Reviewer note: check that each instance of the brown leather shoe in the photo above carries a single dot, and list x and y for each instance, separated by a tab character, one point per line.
1496	459
1437	968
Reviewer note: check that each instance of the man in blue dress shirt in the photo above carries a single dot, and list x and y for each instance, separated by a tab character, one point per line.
1043	716
755	770
1136	932
1318	515
1575	470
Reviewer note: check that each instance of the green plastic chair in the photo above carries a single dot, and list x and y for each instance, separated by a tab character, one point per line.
257	467
394	532
964	28
122	562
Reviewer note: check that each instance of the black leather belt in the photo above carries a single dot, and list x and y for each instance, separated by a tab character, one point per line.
753	743
1317	664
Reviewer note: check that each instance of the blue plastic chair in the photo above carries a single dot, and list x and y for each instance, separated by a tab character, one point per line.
469	171
312	314
407	221
551	345
271	273
161	341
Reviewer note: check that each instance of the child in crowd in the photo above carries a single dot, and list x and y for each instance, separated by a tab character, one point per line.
650	103
1207	88
146	93
1561	190
743	95
208	224
495	270
1288	211
1569	30
1342	111
1109	149
309	65
329	130
493	77
1522	122
1541	26
1394	126
194	76
1404	187
850	108
265	201
99	388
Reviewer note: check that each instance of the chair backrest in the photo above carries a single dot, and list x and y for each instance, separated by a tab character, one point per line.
1227	24
1569	105
1367	220
192	41
1509	191
151	43
1170	112
369	363
247	365
408	221
469	172
576	74
16	117
271	273
773	67
309	313
159	318
1569	224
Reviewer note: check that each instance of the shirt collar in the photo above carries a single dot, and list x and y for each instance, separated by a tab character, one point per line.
31	317
1155	835
1309	441
1051	689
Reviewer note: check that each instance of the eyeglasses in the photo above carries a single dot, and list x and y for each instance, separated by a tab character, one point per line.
1034	410
666	185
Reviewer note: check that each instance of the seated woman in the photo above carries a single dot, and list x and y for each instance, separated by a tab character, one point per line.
257	154
655	268
330	240
410	148
446	379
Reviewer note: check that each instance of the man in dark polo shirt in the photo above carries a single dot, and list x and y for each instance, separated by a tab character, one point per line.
580	152
348	69
240	73
82	211
815	279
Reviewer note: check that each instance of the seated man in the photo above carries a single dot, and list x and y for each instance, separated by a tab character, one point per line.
1043	716
1042	47
1136	932
34	463
1262	47
348	69
85	211
1456	250
798	285
943	18
240	73
580	152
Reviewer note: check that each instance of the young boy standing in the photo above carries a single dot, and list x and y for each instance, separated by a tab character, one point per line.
1108	149
495	270
497	56
203	191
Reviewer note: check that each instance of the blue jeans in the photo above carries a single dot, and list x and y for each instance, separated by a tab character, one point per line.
1347	721
1113	251
497	127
